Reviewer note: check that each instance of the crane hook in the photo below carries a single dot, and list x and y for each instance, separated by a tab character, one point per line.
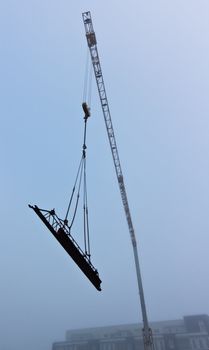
86	110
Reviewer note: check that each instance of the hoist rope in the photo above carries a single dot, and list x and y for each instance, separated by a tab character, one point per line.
85	84
86	212
78	196
85	203
71	198
87	87
90	86
81	175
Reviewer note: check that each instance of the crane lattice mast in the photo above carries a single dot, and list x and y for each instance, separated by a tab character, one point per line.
92	44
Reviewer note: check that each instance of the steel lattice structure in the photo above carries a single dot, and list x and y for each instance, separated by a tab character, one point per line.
62	233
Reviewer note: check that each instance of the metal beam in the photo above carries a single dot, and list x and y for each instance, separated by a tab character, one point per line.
63	236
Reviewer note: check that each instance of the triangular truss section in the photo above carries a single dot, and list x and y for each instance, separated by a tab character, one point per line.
61	232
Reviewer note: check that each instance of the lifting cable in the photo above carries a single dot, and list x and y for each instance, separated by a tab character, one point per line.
61	229
87	86
81	175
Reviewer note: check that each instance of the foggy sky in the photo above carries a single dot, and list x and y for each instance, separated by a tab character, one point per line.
154	57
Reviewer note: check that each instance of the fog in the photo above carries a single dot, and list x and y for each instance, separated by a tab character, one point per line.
154	57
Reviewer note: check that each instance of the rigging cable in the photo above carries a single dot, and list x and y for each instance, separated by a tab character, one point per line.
85	201
81	175
85	84
87	87
73	191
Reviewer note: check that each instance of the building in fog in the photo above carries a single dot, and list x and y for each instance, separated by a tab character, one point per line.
189	333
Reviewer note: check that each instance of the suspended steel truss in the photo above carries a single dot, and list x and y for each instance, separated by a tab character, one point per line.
63	235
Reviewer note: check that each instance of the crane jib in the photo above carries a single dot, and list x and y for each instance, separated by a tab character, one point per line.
92	44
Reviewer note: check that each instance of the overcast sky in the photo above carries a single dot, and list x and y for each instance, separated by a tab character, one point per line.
154	56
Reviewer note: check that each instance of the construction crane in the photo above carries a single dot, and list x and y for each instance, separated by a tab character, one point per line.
92	44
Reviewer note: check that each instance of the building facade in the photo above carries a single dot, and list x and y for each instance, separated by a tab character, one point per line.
189	333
